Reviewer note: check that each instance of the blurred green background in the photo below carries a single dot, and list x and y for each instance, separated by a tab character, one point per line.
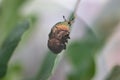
92	52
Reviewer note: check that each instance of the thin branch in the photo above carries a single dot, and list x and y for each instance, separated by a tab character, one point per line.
76	7
73	14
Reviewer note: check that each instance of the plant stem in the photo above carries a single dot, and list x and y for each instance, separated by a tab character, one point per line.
59	57
76	7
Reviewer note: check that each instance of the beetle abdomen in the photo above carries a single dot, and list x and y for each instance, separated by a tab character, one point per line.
56	45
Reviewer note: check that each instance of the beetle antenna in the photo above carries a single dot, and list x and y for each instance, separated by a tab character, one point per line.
64	18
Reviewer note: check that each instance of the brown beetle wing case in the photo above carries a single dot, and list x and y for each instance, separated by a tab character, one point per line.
58	39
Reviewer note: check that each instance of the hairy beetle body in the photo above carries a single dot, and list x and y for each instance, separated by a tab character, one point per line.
58	37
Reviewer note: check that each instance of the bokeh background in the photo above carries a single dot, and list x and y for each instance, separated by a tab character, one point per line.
28	57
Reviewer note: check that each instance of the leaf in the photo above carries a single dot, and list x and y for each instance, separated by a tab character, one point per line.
9	16
14	72
81	55
85	71
10	45
47	67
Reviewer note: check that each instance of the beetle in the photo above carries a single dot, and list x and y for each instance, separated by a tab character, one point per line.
59	35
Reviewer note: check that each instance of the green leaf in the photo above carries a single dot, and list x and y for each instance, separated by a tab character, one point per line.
85	70
47	67
14	72
9	16
81	55
10	45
